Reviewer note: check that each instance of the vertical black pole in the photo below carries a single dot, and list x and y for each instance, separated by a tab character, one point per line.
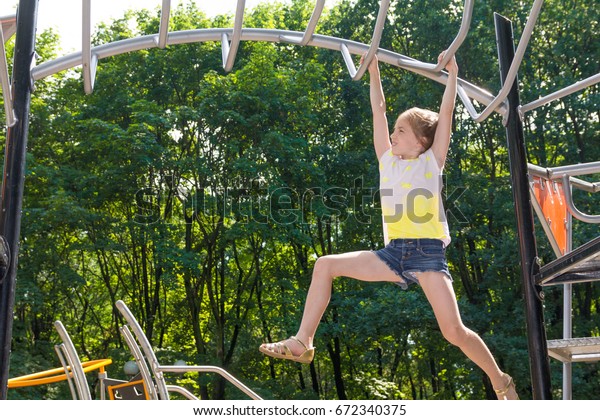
14	174
538	351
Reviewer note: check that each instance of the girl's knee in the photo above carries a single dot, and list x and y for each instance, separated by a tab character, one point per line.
321	265
325	267
456	334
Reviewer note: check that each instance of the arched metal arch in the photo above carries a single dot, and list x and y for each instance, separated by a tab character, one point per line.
267	35
230	39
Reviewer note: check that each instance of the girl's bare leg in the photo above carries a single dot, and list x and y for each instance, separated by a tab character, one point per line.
366	266
440	293
360	265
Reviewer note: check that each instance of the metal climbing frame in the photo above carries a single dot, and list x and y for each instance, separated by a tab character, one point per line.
553	201
230	38
572	266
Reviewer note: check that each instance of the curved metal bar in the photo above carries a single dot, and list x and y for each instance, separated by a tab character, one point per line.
375	41
575	87
591	187
253	34
310	28
512	71
141	362
464	97
60	352
163	31
11	119
9	25
230	50
452	48
146	348
74	362
89	61
57	374
460	37
182	391
571	206
557	173
212	369
156	368
574	170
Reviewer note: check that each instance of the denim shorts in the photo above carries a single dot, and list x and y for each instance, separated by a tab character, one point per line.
405	257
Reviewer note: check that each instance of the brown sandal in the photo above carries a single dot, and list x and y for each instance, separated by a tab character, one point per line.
502	393
280	350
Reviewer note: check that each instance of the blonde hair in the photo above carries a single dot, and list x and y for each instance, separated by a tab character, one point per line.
423	123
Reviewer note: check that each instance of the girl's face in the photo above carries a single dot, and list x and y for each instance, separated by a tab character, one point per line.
404	141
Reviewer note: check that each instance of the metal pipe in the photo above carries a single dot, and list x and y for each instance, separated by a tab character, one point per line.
51	67
567	317
575	87
212	369
373	47
163	30
574	170
558	172
310	28
571	206
14	175
74	362
514	67
9	25
146	348
140	361
60	351
182	391
230	50
454	46
538	347
89	61
578	169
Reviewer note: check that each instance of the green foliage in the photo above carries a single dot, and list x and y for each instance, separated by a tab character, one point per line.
203	199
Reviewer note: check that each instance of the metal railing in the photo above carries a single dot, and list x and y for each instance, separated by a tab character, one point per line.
567	175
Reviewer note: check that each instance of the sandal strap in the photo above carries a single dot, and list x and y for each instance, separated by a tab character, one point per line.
293	337
504	390
280	348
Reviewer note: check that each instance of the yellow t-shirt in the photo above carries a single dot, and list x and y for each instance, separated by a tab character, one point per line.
411	199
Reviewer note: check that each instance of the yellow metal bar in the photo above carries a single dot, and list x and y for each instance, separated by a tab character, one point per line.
55	375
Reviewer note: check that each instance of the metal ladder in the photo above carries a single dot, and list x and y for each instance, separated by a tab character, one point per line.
550	190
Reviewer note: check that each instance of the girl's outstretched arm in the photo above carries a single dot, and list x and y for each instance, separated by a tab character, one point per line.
381	134
443	132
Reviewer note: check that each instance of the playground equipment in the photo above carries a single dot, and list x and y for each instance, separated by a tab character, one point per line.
153	373
505	102
73	370
147	383
553	202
